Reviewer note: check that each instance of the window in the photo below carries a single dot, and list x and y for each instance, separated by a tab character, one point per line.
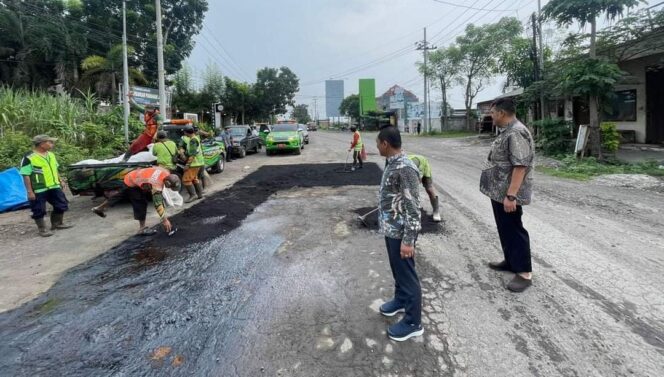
622	107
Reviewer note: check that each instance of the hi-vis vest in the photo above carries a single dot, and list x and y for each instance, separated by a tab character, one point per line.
198	157
148	176
44	172
359	145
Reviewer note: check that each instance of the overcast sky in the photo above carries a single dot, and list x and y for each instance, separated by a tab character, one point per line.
341	39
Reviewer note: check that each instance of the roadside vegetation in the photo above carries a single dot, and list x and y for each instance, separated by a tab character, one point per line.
448	134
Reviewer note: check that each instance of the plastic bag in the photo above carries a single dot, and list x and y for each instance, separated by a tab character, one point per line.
172	198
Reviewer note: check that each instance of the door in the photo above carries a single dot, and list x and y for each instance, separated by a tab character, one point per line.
655	106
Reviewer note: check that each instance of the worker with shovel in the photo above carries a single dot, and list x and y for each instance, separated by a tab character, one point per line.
193	151
427	181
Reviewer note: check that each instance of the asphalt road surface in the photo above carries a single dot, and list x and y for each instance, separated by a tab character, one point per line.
275	276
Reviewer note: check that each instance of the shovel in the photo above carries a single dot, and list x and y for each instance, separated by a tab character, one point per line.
363	218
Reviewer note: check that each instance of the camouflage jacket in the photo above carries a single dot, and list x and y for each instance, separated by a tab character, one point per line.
399	200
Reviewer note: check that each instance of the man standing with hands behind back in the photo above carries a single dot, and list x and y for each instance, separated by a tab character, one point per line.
507	181
399	218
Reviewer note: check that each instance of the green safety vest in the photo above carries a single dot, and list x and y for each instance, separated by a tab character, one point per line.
44	175
359	145
165	153
422	164
199	160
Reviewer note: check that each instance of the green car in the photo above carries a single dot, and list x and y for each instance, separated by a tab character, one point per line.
284	137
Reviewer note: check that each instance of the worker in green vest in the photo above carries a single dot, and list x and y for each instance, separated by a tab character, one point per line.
166	152
356	146
39	169
193	152
427	181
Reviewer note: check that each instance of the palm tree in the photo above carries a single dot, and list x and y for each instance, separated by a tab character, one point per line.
104	72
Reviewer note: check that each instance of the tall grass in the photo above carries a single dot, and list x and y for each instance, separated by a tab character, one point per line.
83	131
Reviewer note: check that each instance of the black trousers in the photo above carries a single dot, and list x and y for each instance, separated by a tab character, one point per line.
514	238
357	158
407	290
55	197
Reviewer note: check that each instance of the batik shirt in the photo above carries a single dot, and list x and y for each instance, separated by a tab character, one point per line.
514	147
399	200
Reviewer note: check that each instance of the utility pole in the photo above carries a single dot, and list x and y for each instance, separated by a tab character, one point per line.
125	72
424	46
316	109
160	62
541	55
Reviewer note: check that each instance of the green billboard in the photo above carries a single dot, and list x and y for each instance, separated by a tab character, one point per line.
367	95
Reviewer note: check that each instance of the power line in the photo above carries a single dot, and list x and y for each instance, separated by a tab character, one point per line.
230	57
471	7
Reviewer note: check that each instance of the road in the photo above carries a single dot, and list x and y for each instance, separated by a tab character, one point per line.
274	276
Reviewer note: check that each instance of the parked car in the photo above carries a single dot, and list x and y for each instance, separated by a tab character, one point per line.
305	133
284	137
244	140
312	127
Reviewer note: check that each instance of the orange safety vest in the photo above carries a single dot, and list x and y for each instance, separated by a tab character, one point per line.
151	124
151	176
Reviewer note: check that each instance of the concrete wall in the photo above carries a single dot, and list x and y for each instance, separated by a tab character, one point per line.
637	80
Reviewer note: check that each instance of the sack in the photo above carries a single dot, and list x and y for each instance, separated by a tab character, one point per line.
363	154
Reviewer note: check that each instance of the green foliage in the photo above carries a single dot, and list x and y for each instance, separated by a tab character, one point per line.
82	131
566	12
585	76
301	114
448	134
610	137
350	106
554	136
587	168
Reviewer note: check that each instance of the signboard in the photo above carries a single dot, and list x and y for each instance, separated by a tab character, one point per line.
582	139
334	95
397	101
191	116
367	96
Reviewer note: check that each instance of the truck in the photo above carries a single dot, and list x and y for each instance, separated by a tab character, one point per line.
100	179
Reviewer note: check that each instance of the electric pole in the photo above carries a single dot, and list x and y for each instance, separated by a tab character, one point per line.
425	47
160	62
125	72
541	54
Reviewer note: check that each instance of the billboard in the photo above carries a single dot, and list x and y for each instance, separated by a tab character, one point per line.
334	95
367	95
397	101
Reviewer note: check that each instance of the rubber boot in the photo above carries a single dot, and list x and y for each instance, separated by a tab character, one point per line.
192	194
57	221
41	225
436	209
199	190
207	181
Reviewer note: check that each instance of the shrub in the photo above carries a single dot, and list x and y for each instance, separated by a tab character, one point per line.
610	137
554	136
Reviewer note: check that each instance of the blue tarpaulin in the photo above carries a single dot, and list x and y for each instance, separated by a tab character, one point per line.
12	191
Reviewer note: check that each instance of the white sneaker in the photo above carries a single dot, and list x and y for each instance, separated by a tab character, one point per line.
436	217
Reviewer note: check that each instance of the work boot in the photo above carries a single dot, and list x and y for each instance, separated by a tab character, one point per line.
199	190
57	221
207	181
436	209
192	194
41	225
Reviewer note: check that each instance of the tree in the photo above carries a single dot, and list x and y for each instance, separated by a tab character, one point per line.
350	107
104	72
301	114
444	66
478	51
586	12
182	21
239	100
275	90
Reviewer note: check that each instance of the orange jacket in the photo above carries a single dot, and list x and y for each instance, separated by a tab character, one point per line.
153	176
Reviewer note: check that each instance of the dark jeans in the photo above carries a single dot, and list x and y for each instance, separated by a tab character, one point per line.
356	158
55	197
139	202
514	238
407	289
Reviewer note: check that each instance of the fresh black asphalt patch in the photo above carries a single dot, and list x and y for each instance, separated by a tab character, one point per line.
149	303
